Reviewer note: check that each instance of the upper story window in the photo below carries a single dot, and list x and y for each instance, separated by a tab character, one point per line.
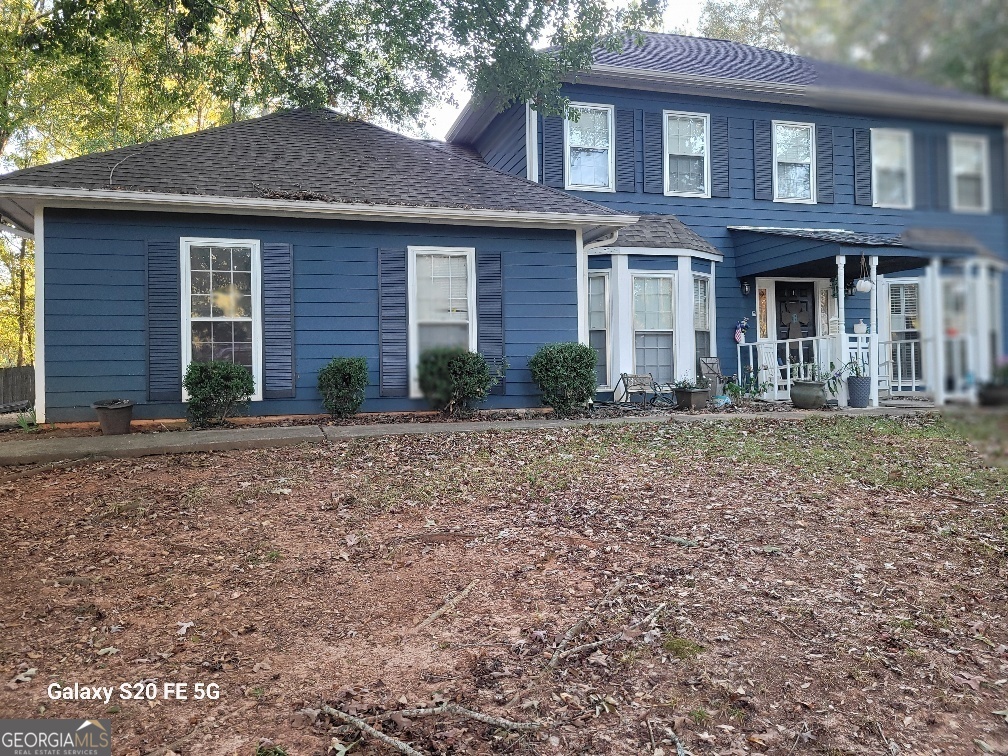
687	168
891	159
794	177
221	314
590	153
970	177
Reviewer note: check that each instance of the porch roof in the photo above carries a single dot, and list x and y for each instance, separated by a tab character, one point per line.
812	252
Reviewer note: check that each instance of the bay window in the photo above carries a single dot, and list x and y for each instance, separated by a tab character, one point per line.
221	304
891	160
598	325
442	302
654	326
590	150
701	318
794	176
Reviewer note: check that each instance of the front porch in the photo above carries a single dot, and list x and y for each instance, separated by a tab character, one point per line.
916	313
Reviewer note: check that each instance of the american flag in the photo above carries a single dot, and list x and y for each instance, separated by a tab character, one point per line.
739	332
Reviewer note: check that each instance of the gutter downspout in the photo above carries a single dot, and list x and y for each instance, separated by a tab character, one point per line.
605	241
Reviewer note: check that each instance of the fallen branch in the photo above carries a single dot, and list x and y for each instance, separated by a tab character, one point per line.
367	729
450	604
451	708
579	626
613	638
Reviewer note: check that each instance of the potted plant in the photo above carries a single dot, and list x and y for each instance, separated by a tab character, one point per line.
858	383
690	394
114	415
995	393
809	390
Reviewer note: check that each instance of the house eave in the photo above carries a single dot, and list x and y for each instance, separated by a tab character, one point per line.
31	197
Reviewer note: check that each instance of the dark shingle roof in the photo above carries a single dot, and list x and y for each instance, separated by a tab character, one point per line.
723	59
663	232
310	155
836	235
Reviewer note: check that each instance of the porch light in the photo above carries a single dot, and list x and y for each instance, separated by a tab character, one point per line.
746	288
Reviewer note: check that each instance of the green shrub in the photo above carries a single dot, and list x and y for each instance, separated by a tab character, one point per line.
217	391
565	374
341	384
453	380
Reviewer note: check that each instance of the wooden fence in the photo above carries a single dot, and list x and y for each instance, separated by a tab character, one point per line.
17	384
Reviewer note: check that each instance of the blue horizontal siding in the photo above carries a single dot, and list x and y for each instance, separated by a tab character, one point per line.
96	340
502	145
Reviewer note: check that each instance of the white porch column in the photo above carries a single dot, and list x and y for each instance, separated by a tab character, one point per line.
981	322
840	342
936	317
685	335
873	355
621	328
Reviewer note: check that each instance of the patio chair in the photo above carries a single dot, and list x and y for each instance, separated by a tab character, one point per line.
645	384
710	369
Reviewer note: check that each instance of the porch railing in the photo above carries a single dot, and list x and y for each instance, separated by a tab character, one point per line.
775	364
901	366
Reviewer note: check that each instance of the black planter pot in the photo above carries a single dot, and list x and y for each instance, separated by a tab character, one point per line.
808	394
692	398
114	416
858	390
991	395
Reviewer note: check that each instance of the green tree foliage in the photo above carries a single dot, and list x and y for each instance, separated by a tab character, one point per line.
946	42
17	301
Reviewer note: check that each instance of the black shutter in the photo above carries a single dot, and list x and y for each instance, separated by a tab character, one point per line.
654	168
923	181
164	322
553	152
278	321
941	180
720	185
393	367
862	167
997	173
824	165
763	160
626	153
490	312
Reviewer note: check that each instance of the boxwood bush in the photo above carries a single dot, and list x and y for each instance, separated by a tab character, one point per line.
341	384
565	373
454	380
217	390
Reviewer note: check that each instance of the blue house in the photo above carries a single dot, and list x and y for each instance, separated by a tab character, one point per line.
768	186
695	185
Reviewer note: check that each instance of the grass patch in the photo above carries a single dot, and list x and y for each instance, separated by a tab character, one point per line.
681	648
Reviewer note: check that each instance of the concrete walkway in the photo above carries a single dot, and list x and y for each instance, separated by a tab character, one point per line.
34	451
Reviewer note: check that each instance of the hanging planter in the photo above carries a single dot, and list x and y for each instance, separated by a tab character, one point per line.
864	285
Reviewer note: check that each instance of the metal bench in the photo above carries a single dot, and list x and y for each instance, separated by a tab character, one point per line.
644	384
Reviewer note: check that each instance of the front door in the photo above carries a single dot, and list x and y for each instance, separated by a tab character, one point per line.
796	319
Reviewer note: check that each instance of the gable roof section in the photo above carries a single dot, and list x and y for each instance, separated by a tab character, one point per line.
654	231
302	159
721	68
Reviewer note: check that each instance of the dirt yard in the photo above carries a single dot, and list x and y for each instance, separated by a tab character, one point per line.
830	586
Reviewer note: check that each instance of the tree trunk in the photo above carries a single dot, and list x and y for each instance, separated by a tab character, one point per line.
21	314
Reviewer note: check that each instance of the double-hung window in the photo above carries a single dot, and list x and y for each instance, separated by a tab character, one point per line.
598	325
891	160
970	177
442	302
654	326
590	154
687	167
794	177
701	317
221	304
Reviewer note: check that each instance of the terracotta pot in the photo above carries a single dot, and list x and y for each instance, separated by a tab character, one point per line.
114	416
808	394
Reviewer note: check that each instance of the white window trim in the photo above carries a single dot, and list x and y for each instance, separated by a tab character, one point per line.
411	292
953	187
605	274
908	139
185	243
612	149
676	303
666	114
812	163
